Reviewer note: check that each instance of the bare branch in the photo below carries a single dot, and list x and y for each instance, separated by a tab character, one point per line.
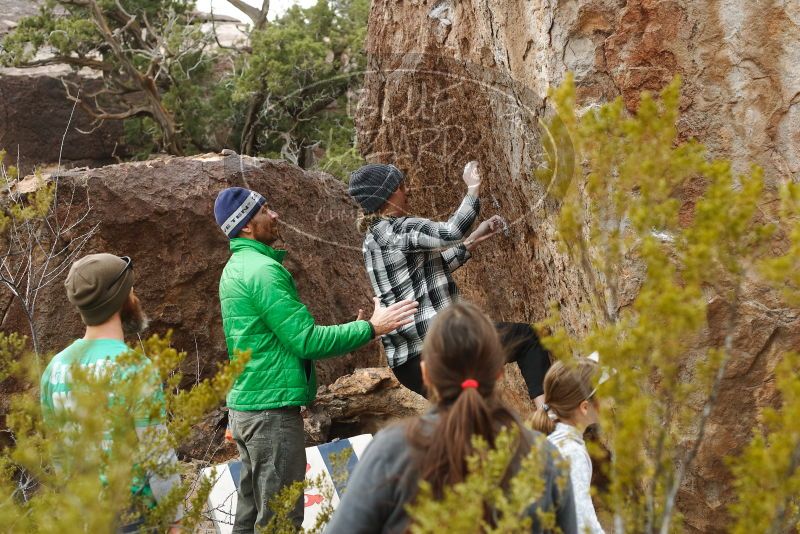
155	107
67	261
98	113
69	60
214	32
97	125
258	16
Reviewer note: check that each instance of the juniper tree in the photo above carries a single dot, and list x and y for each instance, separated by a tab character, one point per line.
617	178
140	50
299	79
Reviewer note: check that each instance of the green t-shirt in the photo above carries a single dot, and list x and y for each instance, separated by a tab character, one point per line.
95	356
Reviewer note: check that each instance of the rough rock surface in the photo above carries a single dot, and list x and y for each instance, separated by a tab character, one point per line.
160	213
13	10
360	403
35	113
35	117
453	81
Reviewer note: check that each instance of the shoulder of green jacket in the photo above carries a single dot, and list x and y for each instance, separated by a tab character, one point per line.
239	245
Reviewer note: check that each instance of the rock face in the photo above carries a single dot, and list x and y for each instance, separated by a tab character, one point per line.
360	403
160	213
13	10
35	113
35	116
454	81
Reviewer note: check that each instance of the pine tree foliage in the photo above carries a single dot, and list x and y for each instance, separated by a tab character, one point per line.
767	474
616	179
300	81
60	475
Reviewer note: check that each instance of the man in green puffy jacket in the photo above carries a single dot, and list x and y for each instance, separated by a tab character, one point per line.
261	313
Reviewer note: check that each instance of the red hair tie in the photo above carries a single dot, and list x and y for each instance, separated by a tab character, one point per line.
469	383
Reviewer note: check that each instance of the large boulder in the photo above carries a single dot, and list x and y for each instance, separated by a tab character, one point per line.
453	81
359	403
38	125
160	213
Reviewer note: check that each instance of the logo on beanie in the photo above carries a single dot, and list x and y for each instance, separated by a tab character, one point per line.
244	210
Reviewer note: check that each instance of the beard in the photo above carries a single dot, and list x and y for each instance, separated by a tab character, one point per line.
134	320
268	236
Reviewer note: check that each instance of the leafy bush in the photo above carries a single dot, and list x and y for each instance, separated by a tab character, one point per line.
297	81
616	179
61	475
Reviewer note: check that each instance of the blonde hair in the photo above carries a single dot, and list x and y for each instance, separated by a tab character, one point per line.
566	386
366	220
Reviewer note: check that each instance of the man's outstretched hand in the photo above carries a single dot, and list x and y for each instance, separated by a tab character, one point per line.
384	320
488	228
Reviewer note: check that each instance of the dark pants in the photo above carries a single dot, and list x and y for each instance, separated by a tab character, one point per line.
136	526
272	450
523	347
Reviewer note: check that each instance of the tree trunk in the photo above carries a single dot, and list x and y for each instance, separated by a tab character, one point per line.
164	119
250	130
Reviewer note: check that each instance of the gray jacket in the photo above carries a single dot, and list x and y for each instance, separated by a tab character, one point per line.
381	485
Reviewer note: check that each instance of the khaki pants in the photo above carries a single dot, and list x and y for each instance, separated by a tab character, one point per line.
272	450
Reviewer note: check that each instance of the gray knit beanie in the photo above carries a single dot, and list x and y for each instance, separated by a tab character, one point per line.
98	285
373	184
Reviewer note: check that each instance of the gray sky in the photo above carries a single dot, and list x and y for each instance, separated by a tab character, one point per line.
222	7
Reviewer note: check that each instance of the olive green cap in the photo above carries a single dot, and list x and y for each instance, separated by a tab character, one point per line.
98	285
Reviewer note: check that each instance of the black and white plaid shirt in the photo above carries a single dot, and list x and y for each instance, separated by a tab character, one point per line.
412	258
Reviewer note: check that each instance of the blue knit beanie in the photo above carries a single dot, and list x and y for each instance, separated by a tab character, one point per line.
234	207
373	184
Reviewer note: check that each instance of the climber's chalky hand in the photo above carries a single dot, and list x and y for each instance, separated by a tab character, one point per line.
472	177
488	228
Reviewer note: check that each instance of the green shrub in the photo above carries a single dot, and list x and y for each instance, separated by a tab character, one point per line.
61	475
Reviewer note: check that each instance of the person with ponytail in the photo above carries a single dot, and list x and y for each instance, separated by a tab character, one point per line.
462	360
570	406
